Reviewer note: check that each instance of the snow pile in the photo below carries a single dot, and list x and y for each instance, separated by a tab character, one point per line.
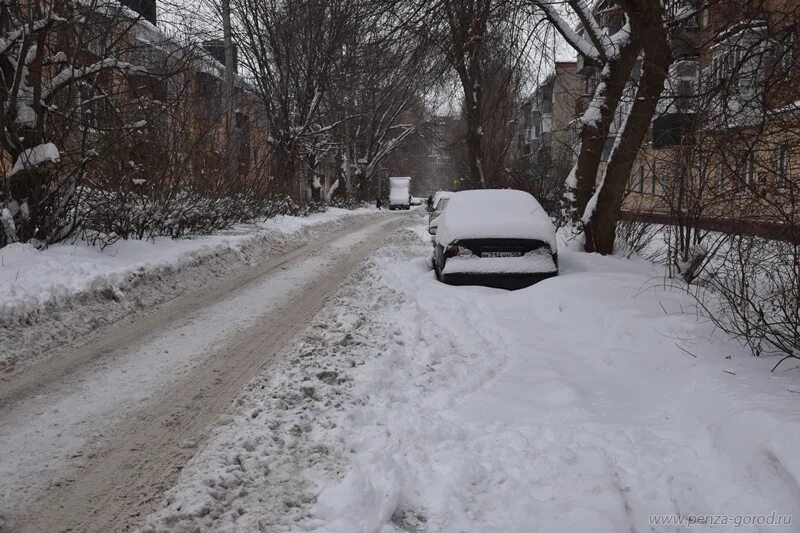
590	401
496	213
30	278
529	263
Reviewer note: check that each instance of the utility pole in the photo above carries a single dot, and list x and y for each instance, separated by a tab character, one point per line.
229	67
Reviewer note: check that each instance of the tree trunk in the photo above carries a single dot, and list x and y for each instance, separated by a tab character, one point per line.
600	232
475	150
616	75
282	169
471	80
346	174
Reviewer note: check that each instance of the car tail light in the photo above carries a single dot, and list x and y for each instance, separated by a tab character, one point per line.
460	251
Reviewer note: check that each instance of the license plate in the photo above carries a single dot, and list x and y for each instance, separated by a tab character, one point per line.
501	254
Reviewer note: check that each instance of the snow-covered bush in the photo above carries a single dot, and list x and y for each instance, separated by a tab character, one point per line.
751	288
108	217
637	238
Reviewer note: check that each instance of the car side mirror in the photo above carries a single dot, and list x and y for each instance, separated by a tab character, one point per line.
432	230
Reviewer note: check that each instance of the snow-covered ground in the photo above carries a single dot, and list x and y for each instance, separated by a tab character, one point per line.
30	278
111	418
594	401
50	298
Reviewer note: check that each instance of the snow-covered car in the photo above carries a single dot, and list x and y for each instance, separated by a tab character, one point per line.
498	238
440	200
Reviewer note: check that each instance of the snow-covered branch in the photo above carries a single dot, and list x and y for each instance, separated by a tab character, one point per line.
597	36
387	147
13	38
576	41
71	74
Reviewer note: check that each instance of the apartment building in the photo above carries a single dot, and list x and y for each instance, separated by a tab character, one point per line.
180	92
725	139
547	127
724	148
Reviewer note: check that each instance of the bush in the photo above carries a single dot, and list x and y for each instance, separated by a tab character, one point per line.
751	288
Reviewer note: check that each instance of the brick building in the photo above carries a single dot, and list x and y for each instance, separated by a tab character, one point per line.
724	145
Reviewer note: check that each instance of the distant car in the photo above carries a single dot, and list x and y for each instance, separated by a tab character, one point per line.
440	200
497	238
416	200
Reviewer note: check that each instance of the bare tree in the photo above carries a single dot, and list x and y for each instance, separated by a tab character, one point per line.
633	29
381	77
291	49
482	41
56	59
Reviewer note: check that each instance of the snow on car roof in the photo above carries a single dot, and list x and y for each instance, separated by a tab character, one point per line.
494	213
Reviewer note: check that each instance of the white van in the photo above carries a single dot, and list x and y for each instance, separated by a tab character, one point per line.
400	193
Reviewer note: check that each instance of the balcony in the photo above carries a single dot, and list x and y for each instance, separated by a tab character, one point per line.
673	129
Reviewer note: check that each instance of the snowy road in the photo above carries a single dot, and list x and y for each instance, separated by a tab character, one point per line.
91	437
594	401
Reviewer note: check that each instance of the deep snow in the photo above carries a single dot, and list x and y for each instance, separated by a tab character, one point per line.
587	402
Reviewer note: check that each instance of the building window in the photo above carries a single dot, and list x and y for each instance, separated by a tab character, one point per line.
785	53
640	179
653	181
719	67
726	65
781	165
720	180
748	169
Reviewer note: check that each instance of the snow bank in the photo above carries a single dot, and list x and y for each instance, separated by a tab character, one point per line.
30	278
567	406
500	213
